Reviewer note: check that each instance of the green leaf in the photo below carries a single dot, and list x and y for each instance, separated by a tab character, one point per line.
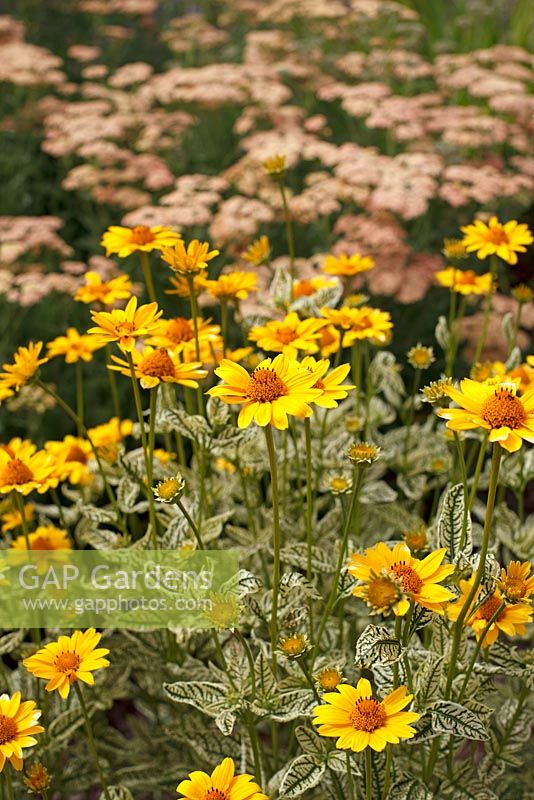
453	718
442	333
409	789
428	677
119	792
303	773
9	641
208	697
64	725
377	646
450	523
310	741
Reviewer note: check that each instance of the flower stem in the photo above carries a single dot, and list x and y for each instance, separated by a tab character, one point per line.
79	396
9	784
147	274
309	498
113	384
195	315
191	524
478	646
349	776
387	772
290	239
478	470
224	325
91	740
487	311
356	370
368	774
276	541
463	470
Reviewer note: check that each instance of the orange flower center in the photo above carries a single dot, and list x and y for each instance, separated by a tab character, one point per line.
67	662
215	794
319	384
141	235
265	386
76	454
303	289
381	593
180	330
15	473
368	715
466	278
327	337
329	678
497	235
515	588
504	409
42	543
8	729
158	365
488	609
411	582
286	335
125	328
362	324
415	539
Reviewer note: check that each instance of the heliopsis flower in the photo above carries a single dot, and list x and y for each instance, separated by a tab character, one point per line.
495	407
416	538
337	482
347	265
488	369
359	720
496	238
363	453
18	726
275	166
293	646
71	457
329	340
107	437
435	390
421	357
154	366
125	326
179	333
222	784
515	583
23	469
70	659
454	249
106	292
258	252
187	262
74	346
12	518
289	335
465	281
45	537
310	286
392	577
511	619
331	385
182	287
170	490
360	323
329	679
275	389
125	241
25	364
232	286
37	778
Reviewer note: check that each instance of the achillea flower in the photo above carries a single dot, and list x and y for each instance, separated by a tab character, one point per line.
125	326
232	286
70	659
363	323
125	241
106	292
495	238
222	784
347	265
74	346
18	726
495	407
45	537
154	366
190	261
465	281
511	619
71	457
170	490
331	385
23	469
359	720
25	364
275	389
392	578
289	335
307	287
275	166
515	583
421	357
258	252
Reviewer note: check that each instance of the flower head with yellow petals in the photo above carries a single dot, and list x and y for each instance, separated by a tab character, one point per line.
125	326
24	469
18	726
159	365
222	784
232	286
289	335
25	364
504	240
44	537
74	346
141	238
493	615
107	293
330	383
347	266
465	281
188	261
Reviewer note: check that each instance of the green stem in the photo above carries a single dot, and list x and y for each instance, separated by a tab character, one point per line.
350	782
411	413
356	370
517	325
290	239
224	325
478	470
478	646
309	498
9	783
450	325
487	312
387	773
276	541
113	384
250	659
91	740
195	316
463	470
368	774
191	524
147	274
79	396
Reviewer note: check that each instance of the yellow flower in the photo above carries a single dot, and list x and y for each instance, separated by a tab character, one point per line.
360	323
454	249
515	583
329	340
496	238
74	346
223	465
23	469
170	490
293	646
125	326
37	779
70	659
107	437
25	364
13	518
106	292
222	784
275	389
258	252
488	369
358	720
511	620
179	334
331	384
522	293
391	578
45	537
435	390
181	285
495	407
223	611
18	726
275	166
71	457
125	241
465	281
310	286
289	335
347	265
154	366
187	262
363	453
416	539
329	679
421	357
233	286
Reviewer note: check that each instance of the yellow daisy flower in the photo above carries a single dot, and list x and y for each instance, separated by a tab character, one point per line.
289	335
154	366
233	286
181	285
18	726
347	265
25	364
258	252
70	659
23	469
71	457
392	577
511	620
495	407
515	583
125	241
44	537
454	249
179	334
74	346
125	326
360	324
465	281
275	166
106	292
275	389
188	261
329	679
37	779
12	518
329	340
359	720
331	384
522	293
421	357
222	784
496	238
310	286
107	437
